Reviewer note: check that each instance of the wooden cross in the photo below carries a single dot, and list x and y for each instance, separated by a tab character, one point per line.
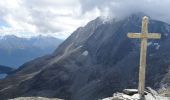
144	35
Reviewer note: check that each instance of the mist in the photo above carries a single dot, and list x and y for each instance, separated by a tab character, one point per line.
61	17
156	9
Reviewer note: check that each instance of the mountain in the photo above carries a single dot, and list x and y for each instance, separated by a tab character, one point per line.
4	71
94	62
15	51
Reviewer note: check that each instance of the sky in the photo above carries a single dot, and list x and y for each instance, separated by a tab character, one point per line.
61	17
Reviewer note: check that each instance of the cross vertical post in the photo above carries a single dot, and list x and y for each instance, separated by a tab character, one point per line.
143	52
144	35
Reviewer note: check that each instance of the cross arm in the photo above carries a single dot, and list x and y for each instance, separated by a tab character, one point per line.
134	35
154	35
148	35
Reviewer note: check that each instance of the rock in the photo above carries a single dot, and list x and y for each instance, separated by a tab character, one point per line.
130	91
123	96
135	96
150	90
34	98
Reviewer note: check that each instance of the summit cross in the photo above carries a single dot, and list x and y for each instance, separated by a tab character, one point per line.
144	36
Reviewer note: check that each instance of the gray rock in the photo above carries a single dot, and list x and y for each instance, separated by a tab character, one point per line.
135	96
131	91
150	90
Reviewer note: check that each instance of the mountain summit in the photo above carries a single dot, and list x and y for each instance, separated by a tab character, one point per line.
94	62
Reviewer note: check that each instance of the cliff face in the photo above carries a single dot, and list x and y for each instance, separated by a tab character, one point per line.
94	62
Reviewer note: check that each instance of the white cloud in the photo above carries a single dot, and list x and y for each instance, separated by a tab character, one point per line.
54	17
157	9
62	17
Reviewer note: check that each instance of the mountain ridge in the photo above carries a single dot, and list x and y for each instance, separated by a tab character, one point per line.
25	49
94	62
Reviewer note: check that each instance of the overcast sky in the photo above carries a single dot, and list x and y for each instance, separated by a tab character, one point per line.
61	17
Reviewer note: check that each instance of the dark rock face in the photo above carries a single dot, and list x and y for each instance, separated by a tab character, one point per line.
94	62
5	69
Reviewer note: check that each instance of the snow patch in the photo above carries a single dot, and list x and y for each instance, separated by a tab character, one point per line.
150	55
166	34
77	36
149	43
106	19
167	27
85	53
2	76
157	46
110	98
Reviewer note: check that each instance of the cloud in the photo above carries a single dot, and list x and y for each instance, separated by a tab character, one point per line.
56	17
157	9
61	17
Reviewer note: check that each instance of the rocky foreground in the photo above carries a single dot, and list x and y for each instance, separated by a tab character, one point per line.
132	94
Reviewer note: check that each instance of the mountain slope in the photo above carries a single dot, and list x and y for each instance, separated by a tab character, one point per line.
94	62
5	69
15	51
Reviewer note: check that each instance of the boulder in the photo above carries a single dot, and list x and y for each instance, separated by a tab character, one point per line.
132	94
132	91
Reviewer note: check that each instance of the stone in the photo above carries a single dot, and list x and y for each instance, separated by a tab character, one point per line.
150	90
136	95
132	91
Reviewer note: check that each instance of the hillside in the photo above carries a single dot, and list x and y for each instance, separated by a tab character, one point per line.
94	62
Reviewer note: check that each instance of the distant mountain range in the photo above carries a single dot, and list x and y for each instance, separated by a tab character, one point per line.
15	51
5	69
94	62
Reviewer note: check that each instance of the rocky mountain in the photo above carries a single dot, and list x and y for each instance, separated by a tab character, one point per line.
94	62
4	71
15	51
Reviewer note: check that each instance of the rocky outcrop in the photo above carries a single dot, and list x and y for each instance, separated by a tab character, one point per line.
131	94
